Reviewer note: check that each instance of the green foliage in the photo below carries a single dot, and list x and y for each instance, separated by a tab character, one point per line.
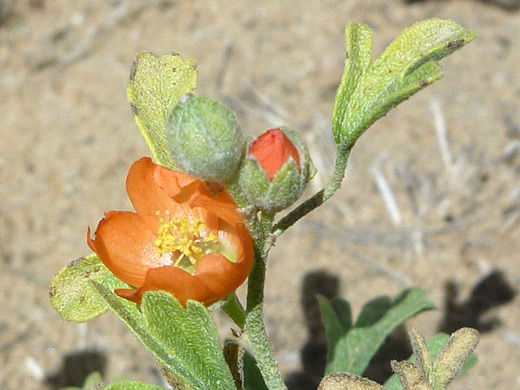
94	381
346	381
253	379
434	345
129	313
359	43
71	291
156	84
190	334
174	336
132	385
448	354
351	347
185	341
369	90
337	320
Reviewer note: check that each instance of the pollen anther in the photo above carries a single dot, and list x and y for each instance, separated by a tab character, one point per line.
183	238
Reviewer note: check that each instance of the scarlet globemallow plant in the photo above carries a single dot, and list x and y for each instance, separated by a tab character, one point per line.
205	221
185	238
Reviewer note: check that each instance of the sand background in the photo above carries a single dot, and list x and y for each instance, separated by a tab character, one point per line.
68	139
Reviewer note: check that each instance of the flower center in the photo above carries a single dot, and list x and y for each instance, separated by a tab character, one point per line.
186	240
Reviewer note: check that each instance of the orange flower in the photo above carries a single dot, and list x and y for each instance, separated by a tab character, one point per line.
273	150
184	238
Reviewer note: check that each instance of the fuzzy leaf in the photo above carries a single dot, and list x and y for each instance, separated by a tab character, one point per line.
253	379
132	385
337	320
450	361
129	313
71	291
407	65
191	335
359	42
435	345
421	353
378	319
156	84
346	381
410	376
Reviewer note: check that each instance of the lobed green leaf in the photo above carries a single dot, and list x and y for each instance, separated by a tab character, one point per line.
407	65
71	291
359	42
156	85
353	351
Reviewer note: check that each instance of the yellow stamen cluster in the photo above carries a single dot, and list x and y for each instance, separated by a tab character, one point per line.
187	238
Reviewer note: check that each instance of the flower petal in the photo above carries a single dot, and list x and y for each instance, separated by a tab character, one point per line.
222	276
221	204
173	184
174	280
147	196
125	244
273	149
186	191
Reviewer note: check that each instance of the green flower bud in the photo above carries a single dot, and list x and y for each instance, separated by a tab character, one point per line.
205	139
276	170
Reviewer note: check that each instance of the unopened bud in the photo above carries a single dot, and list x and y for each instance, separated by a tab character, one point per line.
205	139
276	170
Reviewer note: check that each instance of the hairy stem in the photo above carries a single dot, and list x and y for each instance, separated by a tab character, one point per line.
255	327
320	197
233	308
254	324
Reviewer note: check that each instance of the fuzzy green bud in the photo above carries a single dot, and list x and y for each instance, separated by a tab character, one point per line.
205	139
276	170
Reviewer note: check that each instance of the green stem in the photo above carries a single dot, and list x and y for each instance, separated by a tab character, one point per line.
255	327
320	197
234	309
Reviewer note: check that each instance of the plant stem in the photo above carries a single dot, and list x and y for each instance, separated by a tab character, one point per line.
233	308
255	327
320	197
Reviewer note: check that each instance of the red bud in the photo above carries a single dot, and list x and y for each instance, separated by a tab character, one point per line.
273	150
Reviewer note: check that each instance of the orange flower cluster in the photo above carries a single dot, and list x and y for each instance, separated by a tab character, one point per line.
184	238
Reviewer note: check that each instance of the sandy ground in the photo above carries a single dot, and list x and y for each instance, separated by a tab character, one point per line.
68	138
